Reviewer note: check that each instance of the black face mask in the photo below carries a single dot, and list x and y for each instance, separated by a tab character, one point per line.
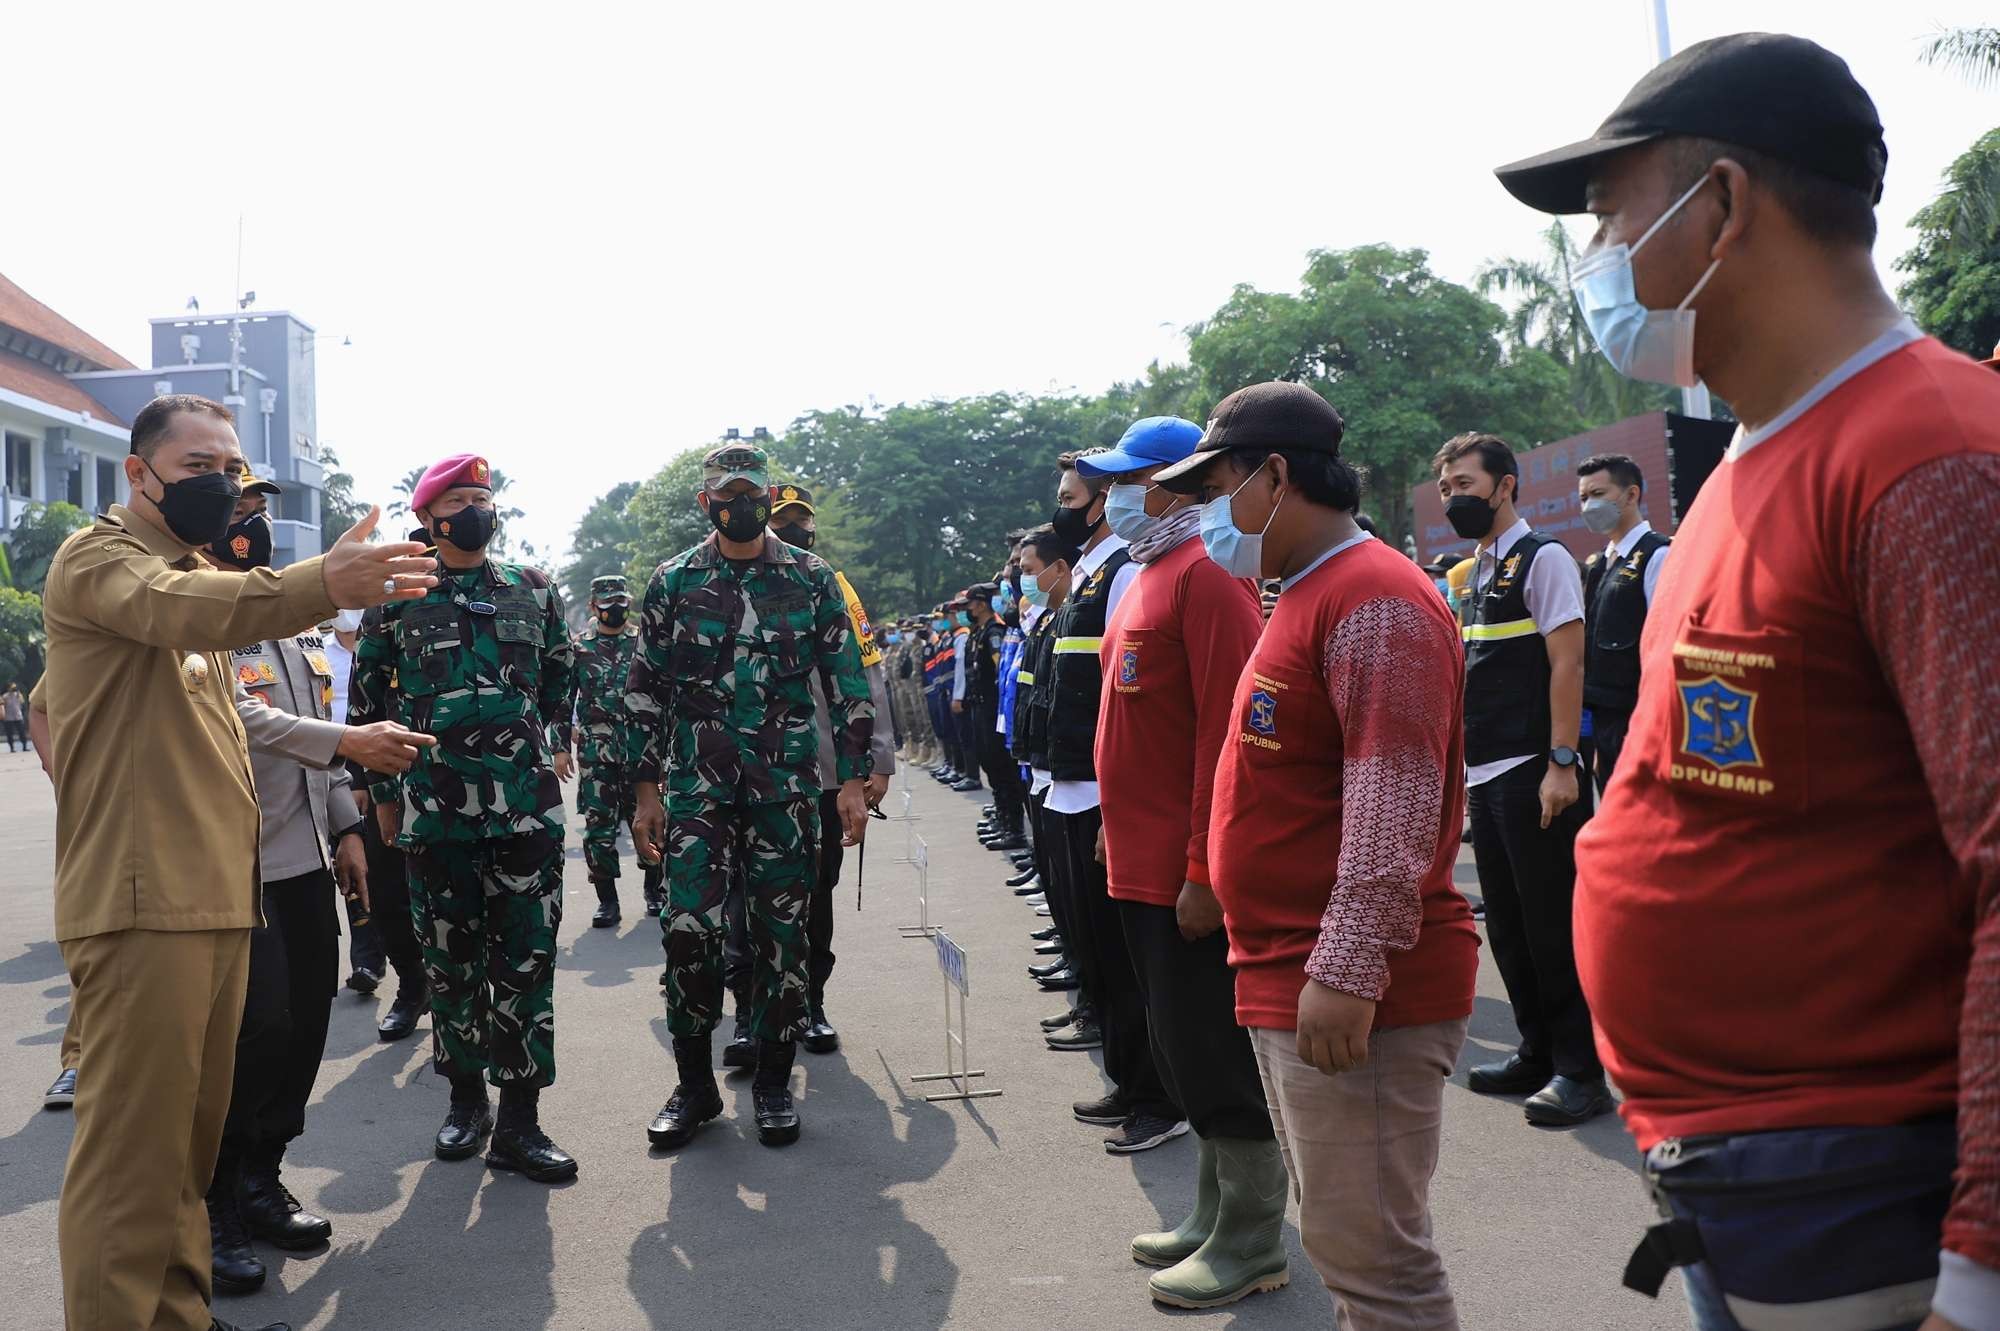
611	616
469	529
791	533
198	509
247	544
1072	527
1471	516
740	517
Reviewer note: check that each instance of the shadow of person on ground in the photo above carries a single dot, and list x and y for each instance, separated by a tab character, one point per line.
41	961
748	1229
365	1180
32	1161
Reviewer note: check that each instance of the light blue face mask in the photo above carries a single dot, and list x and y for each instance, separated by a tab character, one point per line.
1031	590
892	638
962	619
1239	554
1654	345
940	625
1125	512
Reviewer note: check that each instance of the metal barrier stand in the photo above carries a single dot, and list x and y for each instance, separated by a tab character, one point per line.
951	964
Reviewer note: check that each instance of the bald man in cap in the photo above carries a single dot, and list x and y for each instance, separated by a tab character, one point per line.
484	663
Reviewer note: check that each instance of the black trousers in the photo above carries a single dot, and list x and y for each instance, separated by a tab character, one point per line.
1098	946
968	741
1606	742
1052	862
389	910
945	724
294	972
1527	876
1003	774
17	734
819	911
1205	1060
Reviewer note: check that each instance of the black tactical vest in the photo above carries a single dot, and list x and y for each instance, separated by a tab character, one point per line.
1034	692
1506	663
1079	678
1614	598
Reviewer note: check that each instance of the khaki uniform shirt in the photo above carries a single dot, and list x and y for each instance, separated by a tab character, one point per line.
156	818
301	800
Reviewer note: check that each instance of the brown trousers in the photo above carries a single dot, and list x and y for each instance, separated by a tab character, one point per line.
156	1015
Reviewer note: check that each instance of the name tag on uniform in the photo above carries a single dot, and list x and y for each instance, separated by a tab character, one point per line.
481	607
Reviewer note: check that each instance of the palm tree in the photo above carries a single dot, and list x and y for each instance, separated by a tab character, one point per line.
1973	52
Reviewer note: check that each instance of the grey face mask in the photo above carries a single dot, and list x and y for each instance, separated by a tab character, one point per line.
1600	515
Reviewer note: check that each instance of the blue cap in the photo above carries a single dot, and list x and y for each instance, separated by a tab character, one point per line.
1147	443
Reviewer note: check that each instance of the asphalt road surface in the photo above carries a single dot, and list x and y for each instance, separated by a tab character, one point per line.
890	1212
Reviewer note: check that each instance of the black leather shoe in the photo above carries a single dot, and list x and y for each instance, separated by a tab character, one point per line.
1048	949
232	1264
1059	982
524	1149
771	1094
465	1130
1027	875
1565	1102
364	981
695	1100
1046	934
401	1018
965	784
1083	1035
605	916
741	1051
986	811
820	1038
217	1324
1056	1023
1021	859
1513	1075
271	1213
1032	885
1042	972
1012	841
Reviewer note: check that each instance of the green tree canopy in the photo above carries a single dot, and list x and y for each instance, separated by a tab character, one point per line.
1953	271
1408	358
603	542
338	508
35	539
21	638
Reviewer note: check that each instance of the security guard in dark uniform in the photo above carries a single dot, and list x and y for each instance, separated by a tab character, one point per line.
1618	587
983	646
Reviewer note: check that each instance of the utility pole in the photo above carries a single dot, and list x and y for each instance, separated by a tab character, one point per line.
1694	401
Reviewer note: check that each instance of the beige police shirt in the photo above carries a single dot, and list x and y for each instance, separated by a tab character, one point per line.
156	817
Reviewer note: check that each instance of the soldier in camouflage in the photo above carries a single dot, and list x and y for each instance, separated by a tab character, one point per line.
723	716
484	663
604	652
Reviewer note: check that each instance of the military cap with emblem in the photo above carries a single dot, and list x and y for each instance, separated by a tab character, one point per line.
736	462
609	589
789	494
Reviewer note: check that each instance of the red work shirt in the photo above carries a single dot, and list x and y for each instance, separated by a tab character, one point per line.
1172	654
1776	906
1339	798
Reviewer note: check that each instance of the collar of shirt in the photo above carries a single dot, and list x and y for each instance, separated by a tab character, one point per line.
1352	541
1093	559
1900	335
1620	548
156	541
1030	615
1490	555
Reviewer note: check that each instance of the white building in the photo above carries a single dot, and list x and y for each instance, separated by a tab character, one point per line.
60	443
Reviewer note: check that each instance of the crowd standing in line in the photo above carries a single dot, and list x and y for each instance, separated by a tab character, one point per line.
1233	742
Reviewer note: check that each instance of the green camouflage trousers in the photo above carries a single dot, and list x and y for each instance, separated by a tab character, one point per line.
604	796
777	844
486	914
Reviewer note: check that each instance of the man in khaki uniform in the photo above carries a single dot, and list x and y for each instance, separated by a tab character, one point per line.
156	846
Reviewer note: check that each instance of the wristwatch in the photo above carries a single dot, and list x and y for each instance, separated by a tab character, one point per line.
1562	755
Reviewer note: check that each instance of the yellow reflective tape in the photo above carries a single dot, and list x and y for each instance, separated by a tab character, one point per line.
1023	677
1090	645
1516	628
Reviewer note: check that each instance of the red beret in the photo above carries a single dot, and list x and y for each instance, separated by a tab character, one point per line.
458	469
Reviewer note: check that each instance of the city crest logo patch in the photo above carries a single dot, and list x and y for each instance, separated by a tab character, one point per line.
1720	723
1264	713
1128	667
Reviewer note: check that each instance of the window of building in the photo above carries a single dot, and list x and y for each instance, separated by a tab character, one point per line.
73	483
20	464
107	484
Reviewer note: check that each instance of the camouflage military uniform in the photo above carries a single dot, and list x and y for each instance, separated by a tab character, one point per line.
723	717
604	770
484	663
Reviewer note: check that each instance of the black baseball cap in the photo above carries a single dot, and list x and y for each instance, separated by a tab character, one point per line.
1269	417
1781	95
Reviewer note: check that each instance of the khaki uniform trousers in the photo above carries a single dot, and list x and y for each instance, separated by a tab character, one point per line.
156	1014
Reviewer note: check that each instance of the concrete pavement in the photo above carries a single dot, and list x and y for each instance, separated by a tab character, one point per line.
889	1213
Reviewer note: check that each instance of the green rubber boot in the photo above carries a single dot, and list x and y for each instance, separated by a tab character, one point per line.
1179	1243
1246	1251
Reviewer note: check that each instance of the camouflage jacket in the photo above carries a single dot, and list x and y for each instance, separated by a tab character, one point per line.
721	699
603	666
484	663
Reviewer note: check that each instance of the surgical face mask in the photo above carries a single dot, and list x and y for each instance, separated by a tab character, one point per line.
892	637
1654	345
1471	516
469	529
247	544
1032	591
1240	554
940	625
348	621
1125	510
962	619
198	509
1600	515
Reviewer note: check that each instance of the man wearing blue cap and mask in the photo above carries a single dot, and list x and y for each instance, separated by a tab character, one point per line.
1788	912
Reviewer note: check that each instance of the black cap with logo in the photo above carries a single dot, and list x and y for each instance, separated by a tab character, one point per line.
1270	417
1783	96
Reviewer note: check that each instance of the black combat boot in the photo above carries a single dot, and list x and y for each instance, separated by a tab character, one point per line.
468	1122
695	1100
519	1145
401	1018
607	903
655	889
771	1093
233	1266
271	1212
820	1036
741	1051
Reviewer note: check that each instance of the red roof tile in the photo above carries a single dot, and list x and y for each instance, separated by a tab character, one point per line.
20	310
36	380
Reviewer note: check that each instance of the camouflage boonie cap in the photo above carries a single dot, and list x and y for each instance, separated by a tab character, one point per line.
734	462
610	587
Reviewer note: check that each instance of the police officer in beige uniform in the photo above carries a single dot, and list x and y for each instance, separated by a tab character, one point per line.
156	845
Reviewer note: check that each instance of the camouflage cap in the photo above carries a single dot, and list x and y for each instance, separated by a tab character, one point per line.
736	461
611	586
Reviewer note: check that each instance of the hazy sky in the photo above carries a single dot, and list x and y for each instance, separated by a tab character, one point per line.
579	238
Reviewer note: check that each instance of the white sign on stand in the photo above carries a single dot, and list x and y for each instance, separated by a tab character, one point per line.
920	858
959	1072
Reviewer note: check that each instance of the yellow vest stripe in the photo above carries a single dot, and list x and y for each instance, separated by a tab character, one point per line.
1517	628
1023	677
1090	645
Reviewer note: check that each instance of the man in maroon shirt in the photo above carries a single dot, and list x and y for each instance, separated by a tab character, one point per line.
1788	912
1171	656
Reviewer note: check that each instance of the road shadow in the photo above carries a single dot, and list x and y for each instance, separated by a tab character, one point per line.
32	1160
41	961
365	1180
753	1221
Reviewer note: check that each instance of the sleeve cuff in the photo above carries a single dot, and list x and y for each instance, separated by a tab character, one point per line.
1968	1294
386	792
304	585
1197	873
852	769
1351	966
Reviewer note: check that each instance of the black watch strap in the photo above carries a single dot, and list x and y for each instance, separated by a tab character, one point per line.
1563	756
